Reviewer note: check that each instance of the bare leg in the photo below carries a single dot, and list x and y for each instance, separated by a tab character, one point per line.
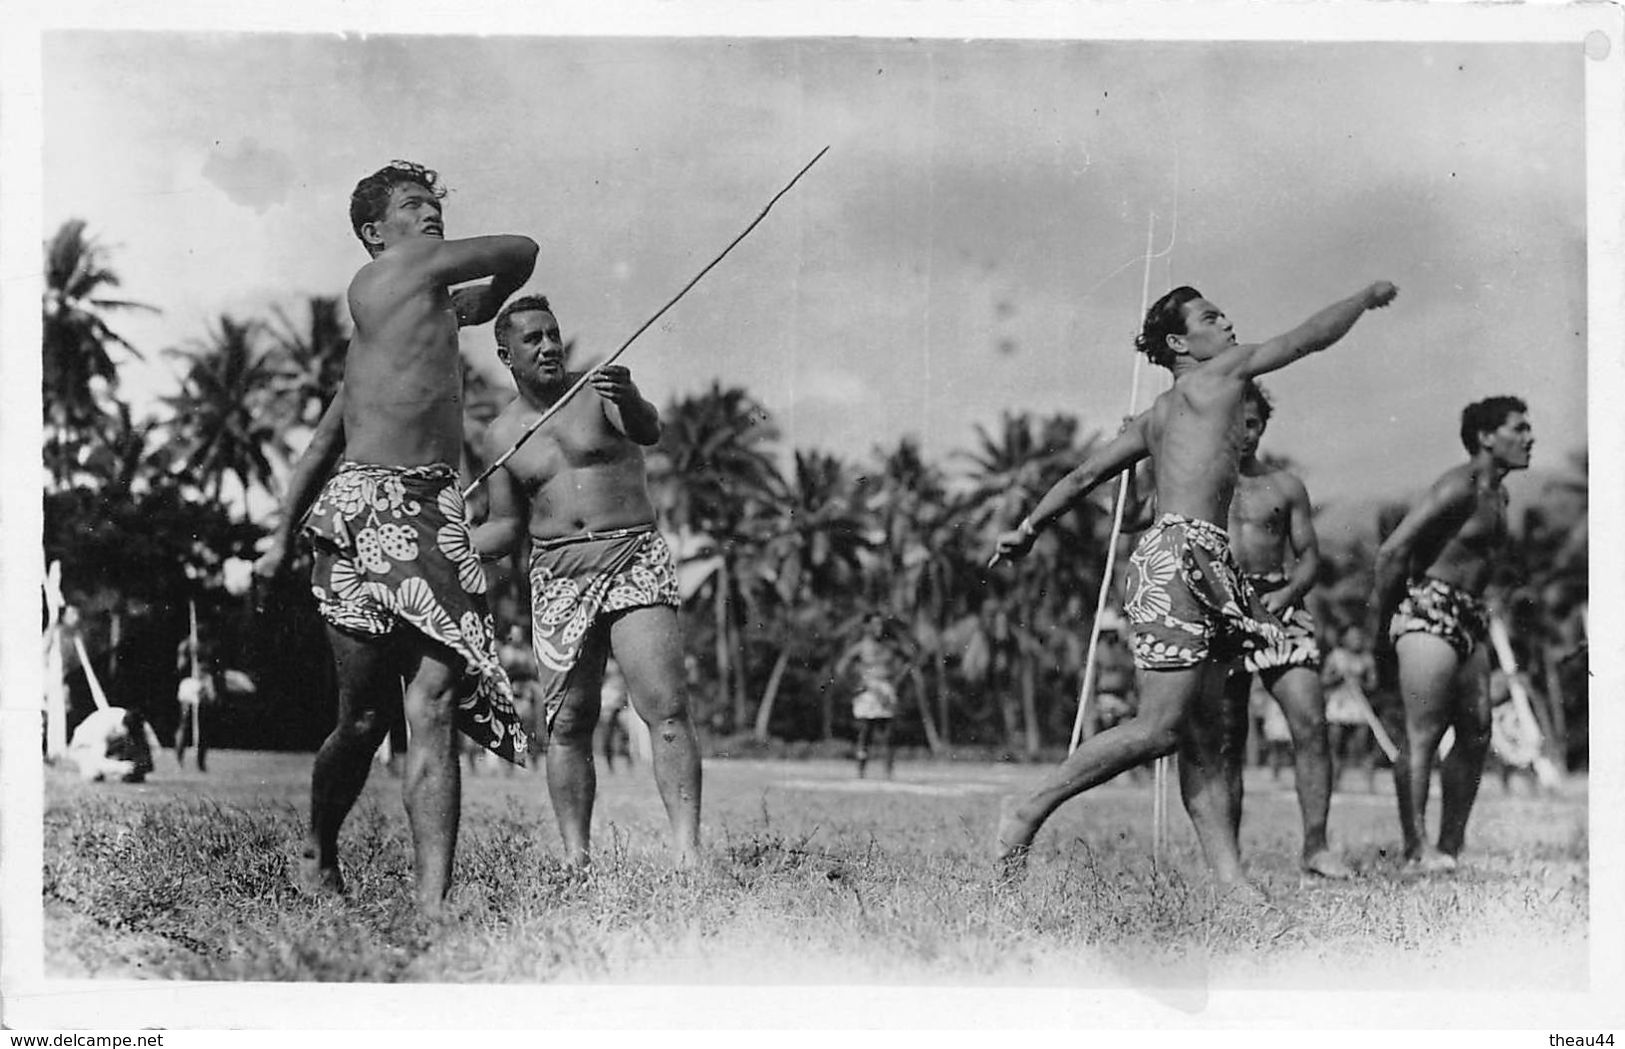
865	728
1427	668
1204	782
183	735
1165	698
1298	691
572	780
369	701
1463	768
433	784
648	647
885	745
1237	723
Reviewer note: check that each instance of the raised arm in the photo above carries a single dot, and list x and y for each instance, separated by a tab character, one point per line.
1439	513
507	259
625	407
1123	451
306	480
1316	333
504	525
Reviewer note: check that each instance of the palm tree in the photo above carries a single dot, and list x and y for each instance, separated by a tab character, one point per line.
1021	627
226	414
810	561
78	366
712	475
312	354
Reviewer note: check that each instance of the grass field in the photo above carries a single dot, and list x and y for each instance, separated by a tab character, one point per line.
813	877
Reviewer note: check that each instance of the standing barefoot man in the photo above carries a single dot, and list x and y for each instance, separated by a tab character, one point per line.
1270	520
601	576
396	577
1431	575
1190	611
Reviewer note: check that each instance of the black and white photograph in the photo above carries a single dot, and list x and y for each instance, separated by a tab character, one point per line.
732	515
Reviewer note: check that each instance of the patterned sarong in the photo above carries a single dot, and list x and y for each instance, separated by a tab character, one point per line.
576	580
393	548
1187	600
1432	606
1299	645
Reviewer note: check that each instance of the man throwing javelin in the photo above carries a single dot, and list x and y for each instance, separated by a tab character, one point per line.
1190	611
1271	530
601	576
396	577
1431	573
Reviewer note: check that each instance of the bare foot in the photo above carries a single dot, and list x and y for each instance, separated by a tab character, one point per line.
1327	864
1012	844
1240	890
313	879
1432	861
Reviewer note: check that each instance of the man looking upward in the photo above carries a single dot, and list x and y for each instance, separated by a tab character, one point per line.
396	577
1190	610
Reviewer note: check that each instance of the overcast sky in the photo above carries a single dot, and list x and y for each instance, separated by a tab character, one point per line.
972	243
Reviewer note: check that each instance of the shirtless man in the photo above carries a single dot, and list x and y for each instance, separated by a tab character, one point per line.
1431	573
601	576
396	577
1270	520
1191	612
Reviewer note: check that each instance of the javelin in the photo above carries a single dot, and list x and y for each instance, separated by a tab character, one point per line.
595	369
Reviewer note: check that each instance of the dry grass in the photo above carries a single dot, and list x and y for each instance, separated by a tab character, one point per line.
812	878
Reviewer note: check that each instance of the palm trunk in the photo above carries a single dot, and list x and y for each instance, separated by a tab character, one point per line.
1029	706
932	740
764	711
943	698
720	607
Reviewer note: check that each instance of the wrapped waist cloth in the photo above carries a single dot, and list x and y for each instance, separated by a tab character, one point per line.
1187	600
393	549
1300	643
575	580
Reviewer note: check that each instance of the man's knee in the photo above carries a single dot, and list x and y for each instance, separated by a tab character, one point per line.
574	725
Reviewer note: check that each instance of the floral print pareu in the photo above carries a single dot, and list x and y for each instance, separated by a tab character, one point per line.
393	549
1432	606
1300	644
1187	601
576	580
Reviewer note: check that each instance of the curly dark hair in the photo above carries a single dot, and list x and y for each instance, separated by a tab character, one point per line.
370	198
523	304
1487	416
1261	397
1165	317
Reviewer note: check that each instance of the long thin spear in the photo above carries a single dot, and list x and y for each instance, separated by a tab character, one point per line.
579	383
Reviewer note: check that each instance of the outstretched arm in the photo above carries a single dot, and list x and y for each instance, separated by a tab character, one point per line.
1123	451
326	444
1442	510
1316	333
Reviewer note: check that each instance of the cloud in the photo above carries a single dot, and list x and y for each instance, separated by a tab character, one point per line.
250	174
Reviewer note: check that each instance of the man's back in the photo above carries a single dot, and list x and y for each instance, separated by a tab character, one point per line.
1462	551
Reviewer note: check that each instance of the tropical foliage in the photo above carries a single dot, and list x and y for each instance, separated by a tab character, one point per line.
783	550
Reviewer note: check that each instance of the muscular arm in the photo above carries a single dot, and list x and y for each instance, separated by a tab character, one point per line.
499	534
1305	546
625	407
1123	451
1445	506
319	457
507	259
1316	333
